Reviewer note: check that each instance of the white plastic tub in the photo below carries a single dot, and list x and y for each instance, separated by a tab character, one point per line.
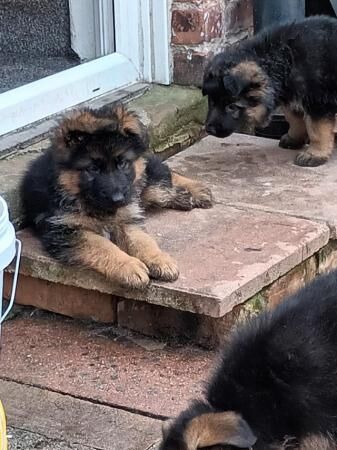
10	247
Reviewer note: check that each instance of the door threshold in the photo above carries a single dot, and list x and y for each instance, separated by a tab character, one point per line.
17	140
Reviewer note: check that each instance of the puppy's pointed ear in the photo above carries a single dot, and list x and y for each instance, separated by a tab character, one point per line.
130	124
69	135
227	428
234	84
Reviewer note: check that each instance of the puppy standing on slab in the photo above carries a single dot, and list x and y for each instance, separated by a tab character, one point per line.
293	66
84	197
276	383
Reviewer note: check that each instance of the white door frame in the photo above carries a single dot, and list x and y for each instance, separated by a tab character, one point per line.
142	53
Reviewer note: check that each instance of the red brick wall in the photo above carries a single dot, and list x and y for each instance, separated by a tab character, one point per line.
200	28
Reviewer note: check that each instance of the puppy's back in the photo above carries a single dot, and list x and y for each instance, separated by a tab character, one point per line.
281	368
37	188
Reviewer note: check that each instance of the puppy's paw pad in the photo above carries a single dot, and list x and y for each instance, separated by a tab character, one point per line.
307	159
202	197
290	143
134	274
163	267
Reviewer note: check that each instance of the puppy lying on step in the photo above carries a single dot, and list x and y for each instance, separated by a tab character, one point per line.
85	197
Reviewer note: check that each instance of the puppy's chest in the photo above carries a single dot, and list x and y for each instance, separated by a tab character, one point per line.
112	227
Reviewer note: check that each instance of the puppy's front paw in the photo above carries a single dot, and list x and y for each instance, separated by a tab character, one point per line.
202	197
163	267
288	142
134	274
309	159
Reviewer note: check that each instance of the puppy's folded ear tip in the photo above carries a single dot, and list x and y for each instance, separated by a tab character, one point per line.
244	436
166	425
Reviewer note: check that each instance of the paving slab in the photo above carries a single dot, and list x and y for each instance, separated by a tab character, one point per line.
252	172
26	440
101	364
225	255
76	421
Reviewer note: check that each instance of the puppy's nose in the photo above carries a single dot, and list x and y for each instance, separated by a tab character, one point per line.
211	129
117	197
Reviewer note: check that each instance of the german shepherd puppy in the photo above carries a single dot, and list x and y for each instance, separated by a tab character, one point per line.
276	383
84	197
293	66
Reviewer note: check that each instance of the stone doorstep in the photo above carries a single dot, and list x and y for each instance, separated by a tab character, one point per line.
254	173
241	263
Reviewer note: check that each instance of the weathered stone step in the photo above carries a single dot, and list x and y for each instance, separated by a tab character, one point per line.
225	256
271	218
252	172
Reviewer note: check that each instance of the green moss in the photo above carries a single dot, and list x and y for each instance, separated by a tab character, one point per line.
175	115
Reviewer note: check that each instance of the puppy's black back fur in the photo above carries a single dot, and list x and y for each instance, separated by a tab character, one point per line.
280	371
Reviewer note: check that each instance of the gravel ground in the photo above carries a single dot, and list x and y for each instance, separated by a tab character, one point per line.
25	440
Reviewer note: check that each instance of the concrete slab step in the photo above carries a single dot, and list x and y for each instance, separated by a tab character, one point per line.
225	255
250	172
64	418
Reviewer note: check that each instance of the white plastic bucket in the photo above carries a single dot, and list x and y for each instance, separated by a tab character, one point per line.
9	248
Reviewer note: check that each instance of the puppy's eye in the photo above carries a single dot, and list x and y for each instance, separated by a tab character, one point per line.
123	164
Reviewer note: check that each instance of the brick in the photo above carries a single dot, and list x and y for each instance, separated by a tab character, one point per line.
160	322
291	282
327	257
189	66
239	16
67	300
194	26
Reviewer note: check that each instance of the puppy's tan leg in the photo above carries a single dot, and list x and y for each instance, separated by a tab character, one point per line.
144	247
201	195
100	254
297	134
321	134
184	194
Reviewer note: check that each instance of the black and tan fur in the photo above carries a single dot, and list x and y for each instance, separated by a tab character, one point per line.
292	66
275	385
86	195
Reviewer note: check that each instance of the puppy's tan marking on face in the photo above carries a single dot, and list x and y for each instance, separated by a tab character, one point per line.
211	429
257	115
250	70
139	166
69	181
